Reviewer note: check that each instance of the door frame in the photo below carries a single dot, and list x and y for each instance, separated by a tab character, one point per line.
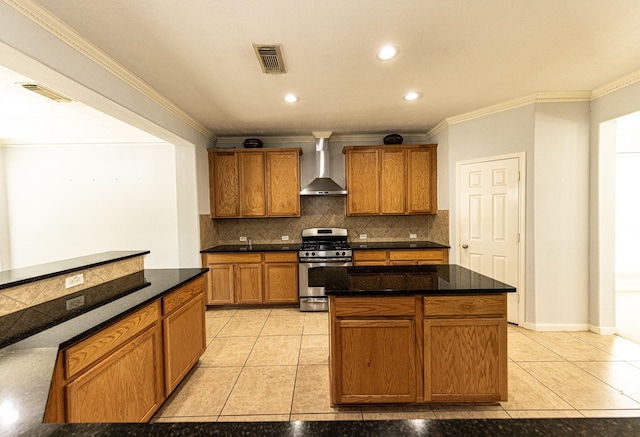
522	167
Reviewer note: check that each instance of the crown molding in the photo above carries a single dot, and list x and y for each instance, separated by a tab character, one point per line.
616	85
66	34
541	97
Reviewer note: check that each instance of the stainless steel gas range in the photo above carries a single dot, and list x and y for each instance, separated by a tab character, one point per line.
321	247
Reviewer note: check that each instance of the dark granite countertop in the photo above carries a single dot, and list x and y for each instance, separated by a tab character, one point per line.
380	245
409	280
11	278
293	247
399	245
26	364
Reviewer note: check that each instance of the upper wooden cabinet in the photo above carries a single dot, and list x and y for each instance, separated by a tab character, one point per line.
254	183
391	180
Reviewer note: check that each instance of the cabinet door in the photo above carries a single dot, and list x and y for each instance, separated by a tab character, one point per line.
283	184
370	258
465	360
281	283
252	184
184	341
422	181
223	184
248	283
373	361
363	181
127	386
393	186
220	290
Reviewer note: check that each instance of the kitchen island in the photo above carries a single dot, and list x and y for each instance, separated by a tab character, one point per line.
405	334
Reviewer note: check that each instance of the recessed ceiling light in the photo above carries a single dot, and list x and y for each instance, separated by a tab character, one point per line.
412	96
387	52
291	98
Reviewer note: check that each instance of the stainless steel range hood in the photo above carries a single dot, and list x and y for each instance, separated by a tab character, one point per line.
322	185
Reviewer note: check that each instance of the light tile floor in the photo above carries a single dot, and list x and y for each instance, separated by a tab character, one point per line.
272	365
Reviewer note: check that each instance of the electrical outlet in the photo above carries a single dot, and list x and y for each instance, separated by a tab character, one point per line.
413	235
76	302
74	280
285	238
243	238
363	236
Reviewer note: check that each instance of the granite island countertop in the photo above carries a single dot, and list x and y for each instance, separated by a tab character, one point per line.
409	280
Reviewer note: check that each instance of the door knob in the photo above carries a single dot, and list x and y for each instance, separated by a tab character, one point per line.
465	246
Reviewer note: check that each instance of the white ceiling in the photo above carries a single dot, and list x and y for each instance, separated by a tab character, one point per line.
462	55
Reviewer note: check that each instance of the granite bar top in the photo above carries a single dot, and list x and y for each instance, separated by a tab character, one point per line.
28	360
11	278
409	280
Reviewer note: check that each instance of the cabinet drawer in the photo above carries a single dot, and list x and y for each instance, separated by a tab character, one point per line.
470	305
182	295
416	255
234	258
87	352
281	257
370	255
374	306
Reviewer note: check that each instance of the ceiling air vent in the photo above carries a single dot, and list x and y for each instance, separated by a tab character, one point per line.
270	57
44	91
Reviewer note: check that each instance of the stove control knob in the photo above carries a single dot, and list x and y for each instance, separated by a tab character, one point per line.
337	253
306	254
313	254
343	254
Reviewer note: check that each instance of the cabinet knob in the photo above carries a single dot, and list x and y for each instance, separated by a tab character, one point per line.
465	246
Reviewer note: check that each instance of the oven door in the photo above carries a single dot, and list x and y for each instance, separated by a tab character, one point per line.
312	276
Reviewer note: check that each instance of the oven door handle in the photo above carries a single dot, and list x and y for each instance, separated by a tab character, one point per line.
324	260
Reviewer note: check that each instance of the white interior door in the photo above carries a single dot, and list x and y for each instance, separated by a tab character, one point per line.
488	222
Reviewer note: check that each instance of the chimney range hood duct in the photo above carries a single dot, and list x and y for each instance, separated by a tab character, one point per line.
322	185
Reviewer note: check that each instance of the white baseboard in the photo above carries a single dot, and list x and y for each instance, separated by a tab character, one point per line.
603	330
556	327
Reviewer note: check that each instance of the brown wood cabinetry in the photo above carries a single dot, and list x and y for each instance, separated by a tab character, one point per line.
252	278
400	257
280	277
373	358
391	180
125	371
184	332
125	386
398	349
465	348
254	183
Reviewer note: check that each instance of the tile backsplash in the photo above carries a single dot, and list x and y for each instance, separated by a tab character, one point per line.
327	211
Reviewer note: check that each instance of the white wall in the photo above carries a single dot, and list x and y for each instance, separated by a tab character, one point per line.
602	204
4	219
68	201
561	215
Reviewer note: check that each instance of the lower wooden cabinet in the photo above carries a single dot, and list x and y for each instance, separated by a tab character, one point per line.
400	257
184	341
465	348
418	349
252	278
373	350
375	362
125	371
126	386
465	360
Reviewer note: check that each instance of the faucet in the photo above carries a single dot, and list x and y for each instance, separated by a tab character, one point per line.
250	243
